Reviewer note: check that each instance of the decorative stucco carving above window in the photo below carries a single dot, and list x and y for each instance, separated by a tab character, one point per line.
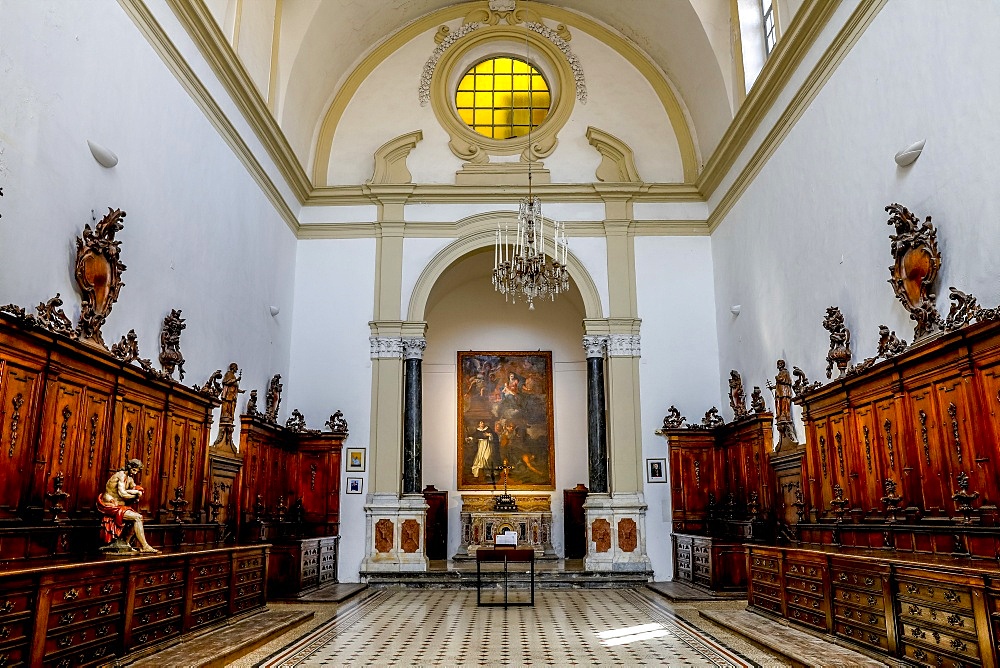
502	29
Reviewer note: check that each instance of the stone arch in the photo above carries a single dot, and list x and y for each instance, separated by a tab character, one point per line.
483	237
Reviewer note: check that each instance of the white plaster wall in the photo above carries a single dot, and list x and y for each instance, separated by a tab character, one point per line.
470	316
199	234
810	232
680	360
620	101
330	367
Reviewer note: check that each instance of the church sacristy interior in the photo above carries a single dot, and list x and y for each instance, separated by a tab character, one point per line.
499	333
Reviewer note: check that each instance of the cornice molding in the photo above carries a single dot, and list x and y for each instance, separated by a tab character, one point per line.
185	75
788	54
221	56
487	222
849	34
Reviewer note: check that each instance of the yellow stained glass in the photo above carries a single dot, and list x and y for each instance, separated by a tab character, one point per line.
503	97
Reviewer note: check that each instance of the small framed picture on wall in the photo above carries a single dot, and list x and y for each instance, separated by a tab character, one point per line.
356	460
354	485
656	470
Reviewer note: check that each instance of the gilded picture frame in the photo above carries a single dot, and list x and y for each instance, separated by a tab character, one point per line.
354	459
505	419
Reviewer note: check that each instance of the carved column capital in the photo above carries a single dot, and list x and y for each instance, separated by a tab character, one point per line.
413	347
595	345
623	345
386	347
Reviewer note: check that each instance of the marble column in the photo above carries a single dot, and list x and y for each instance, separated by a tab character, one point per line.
413	354
597	439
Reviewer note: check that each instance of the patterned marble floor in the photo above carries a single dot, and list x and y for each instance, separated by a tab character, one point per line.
589	627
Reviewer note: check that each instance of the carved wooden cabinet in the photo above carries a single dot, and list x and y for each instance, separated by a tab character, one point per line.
86	613
300	566
714	563
929	610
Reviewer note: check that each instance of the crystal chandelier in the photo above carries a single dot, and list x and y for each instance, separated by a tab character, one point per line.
522	269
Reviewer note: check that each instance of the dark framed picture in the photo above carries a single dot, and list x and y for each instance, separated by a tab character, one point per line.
656	470
354	485
505	420
355	458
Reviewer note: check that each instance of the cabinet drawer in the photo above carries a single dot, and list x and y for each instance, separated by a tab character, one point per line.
955	597
860	599
152	635
807	586
854	616
13	631
328	547
14	656
766	603
211	584
928	657
861	634
207	617
940	641
90	656
816	620
209	600
56	643
77	594
248	576
249	589
158	596
767	590
253	562
926	615
206	570
863	581
806	602
805	571
766	563
157	615
86	613
248	603
145	581
764	576
16	598
328	575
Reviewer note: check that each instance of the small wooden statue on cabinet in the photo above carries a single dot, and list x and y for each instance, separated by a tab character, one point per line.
120	522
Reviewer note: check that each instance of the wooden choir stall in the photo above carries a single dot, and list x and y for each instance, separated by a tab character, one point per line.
119	521
884	524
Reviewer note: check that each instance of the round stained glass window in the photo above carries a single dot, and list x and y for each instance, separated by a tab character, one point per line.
503	97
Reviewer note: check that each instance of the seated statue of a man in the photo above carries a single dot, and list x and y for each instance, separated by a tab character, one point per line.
120	522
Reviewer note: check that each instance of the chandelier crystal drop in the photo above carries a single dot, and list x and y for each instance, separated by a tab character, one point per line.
521	268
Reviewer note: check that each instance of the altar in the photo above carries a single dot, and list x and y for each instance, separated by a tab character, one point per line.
532	521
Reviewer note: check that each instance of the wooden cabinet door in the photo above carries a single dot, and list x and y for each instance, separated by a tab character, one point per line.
868	462
91	464
929	490
172	472
890	439
966	450
19	399
60	434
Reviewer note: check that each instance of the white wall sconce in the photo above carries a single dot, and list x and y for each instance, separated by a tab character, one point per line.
274	310
909	154
105	157
735	309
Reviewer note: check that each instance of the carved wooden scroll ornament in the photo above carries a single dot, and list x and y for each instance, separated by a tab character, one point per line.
915	268
98	274
840	341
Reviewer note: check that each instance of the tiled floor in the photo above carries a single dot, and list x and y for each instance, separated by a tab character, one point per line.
588	627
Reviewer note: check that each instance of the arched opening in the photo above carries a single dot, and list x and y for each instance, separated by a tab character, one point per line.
463	313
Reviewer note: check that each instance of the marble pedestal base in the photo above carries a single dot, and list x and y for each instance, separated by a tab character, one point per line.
616	533
395	533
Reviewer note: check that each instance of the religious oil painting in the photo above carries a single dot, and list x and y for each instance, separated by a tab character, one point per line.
505	420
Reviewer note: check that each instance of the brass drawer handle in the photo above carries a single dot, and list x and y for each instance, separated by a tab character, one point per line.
71	595
952	597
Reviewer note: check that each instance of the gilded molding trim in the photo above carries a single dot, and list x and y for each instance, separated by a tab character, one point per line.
164	47
390	160
617	159
841	45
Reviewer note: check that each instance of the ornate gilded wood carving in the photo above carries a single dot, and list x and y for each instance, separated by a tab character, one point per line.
953	414
737	397
312	476
923	437
383	535
697	473
410	536
840	341
98	274
15	420
840	452
915	268
53	318
93	440
170	343
868	449
337	424
128	439
963	497
822	453
600	530
628	534
673	418
888	443
177	452
63	429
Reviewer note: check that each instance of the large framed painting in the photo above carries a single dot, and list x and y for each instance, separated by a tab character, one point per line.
505	420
